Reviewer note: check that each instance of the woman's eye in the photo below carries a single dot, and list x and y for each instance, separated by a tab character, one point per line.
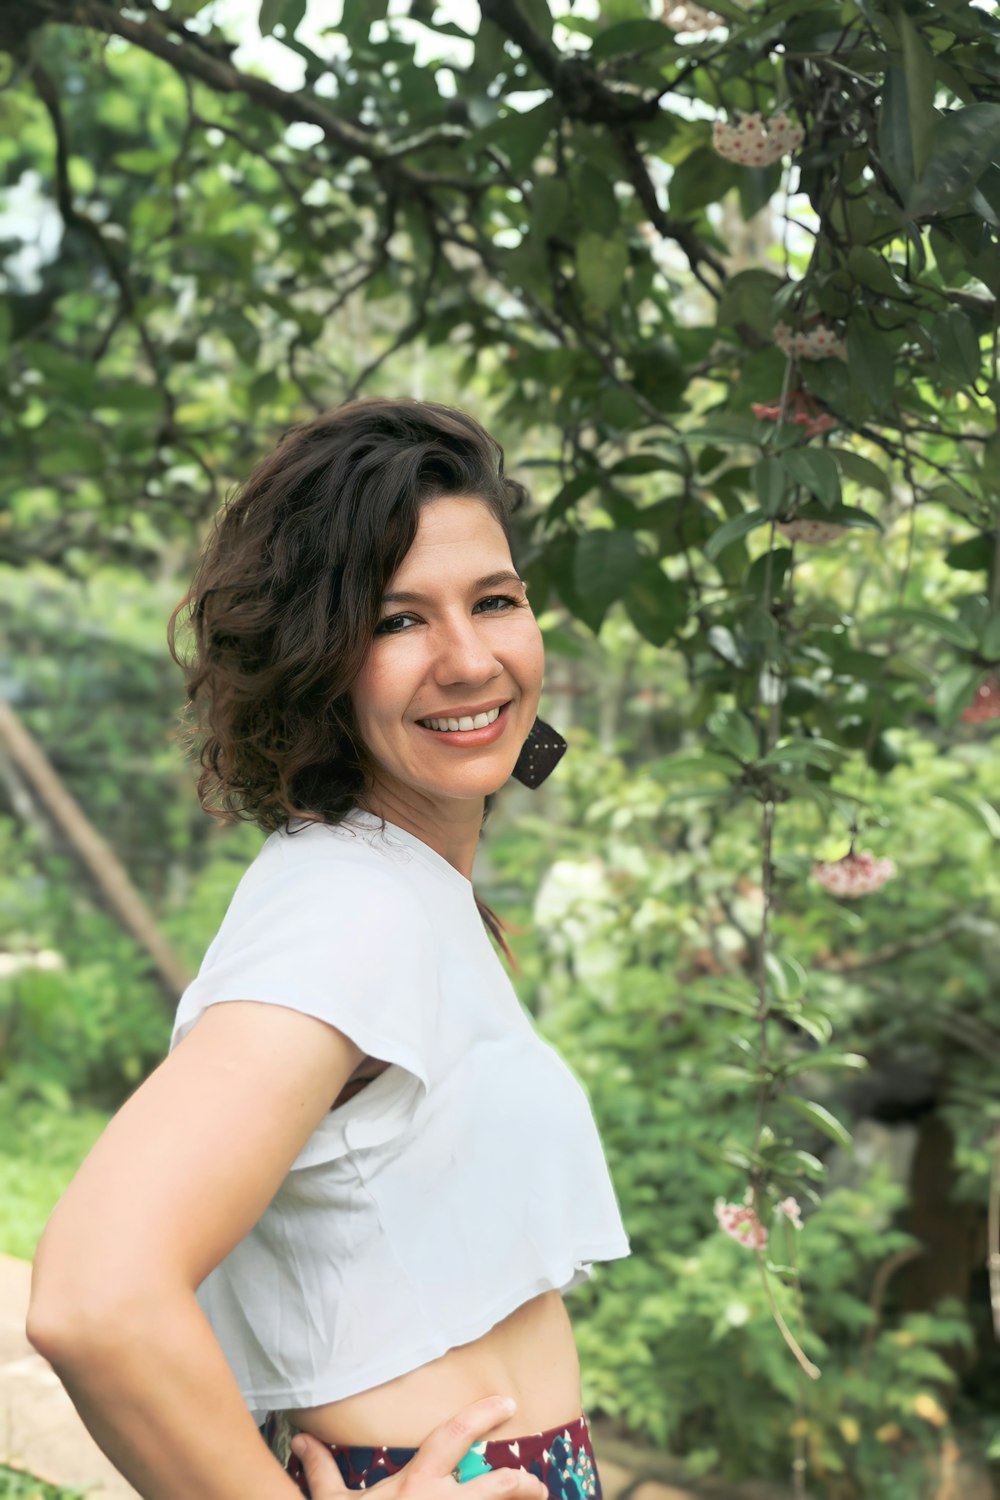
388	627
396	624
504	600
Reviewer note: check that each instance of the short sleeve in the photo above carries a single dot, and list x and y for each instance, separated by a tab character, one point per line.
326	932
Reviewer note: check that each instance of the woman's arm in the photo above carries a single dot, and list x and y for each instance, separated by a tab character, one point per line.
180	1175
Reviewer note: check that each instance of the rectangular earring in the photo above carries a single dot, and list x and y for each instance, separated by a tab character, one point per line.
540	754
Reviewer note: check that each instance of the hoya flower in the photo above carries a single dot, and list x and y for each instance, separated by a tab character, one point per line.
985	702
804	530
817	342
855	874
686	16
756	142
739	1221
791	1210
799	408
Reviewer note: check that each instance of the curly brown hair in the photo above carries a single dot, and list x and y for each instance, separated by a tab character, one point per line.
286	596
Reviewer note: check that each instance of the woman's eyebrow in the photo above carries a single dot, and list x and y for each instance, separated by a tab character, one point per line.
492	580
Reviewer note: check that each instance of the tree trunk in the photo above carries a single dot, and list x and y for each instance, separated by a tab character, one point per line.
96	855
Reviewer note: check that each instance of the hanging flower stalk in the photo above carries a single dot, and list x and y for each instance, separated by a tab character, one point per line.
985	703
756	142
817	342
799	408
686	16
855	874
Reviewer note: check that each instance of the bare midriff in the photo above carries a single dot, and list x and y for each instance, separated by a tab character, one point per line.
531	1355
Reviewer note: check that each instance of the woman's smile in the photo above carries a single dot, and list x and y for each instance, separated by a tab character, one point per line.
470	727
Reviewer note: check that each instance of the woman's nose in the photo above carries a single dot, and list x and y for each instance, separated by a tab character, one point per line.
463	654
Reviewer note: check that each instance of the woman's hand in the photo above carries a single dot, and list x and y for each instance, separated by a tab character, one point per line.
428	1475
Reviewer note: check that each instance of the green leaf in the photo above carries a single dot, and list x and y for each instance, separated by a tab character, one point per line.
269	15
918	70
595	206
749	299
821	1061
821	1118
871	362
287	13
956	632
770	484
702	177
520	134
735	733
601	262
978	808
703	762
787	976
956	345
549	207
640	36
861	470
823	754
849	515
972	554
603	565
656	604
963	145
818	1027
954	690
895	141
808	1164
871	270
731	531
817	470
145	160
728	995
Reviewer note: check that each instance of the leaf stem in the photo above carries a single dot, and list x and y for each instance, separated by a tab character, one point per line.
805	1363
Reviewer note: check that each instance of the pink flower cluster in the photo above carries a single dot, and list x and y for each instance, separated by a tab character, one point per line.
686	16
791	1210
739	1221
985	702
804	530
855	874
818	342
756	142
799	408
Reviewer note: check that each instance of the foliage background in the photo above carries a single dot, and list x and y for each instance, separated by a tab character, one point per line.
539	227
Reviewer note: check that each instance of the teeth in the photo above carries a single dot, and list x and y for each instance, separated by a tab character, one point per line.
466	722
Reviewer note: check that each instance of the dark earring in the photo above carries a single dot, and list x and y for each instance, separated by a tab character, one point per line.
540	754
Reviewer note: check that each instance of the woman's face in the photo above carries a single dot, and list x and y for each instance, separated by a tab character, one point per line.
456	638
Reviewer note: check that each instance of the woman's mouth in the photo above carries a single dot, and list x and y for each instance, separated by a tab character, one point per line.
469	729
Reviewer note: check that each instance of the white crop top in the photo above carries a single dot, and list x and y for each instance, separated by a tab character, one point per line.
464	1180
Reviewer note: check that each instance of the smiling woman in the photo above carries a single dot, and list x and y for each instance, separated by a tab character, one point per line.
462	653
360	1184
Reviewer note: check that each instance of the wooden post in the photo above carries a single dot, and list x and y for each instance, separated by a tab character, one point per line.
95	853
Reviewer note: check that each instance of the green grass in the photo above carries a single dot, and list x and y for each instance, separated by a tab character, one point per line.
40	1150
15	1484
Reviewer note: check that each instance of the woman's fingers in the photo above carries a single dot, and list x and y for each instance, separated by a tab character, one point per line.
433	1463
506	1484
447	1445
443	1448
324	1477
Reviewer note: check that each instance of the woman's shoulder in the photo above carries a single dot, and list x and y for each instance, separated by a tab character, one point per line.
335	868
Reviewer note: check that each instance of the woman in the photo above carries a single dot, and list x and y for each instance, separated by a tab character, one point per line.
357	1187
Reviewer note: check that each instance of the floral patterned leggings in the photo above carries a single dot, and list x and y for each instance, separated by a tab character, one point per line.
562	1458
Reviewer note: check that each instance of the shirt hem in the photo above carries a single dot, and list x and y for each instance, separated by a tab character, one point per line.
378	1375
